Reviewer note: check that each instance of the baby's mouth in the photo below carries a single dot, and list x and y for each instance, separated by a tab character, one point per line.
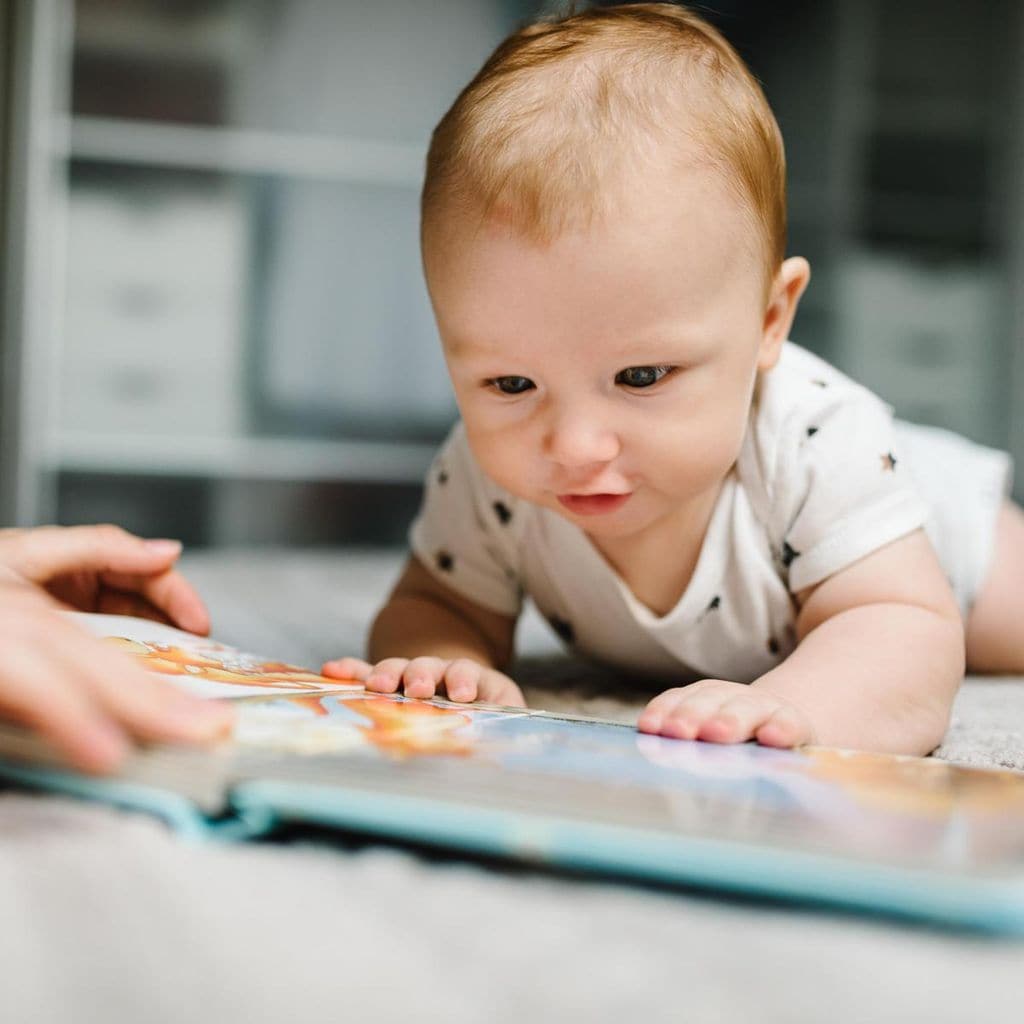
593	504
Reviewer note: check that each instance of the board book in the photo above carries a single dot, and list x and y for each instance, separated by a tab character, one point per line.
907	836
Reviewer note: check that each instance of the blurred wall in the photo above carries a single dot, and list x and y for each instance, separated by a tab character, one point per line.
241	349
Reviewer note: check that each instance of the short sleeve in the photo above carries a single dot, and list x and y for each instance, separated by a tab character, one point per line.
467	530
835	486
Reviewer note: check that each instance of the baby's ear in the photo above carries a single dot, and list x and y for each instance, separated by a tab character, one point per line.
788	286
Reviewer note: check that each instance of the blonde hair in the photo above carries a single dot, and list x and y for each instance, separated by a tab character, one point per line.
563	107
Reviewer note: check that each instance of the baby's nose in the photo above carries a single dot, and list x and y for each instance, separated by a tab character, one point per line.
581	441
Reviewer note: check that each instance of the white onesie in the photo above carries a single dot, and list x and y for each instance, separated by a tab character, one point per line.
824	477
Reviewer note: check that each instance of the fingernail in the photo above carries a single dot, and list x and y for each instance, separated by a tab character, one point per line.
163	546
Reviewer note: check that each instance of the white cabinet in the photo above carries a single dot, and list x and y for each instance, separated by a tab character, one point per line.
154	314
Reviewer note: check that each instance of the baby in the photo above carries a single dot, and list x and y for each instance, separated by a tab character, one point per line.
680	490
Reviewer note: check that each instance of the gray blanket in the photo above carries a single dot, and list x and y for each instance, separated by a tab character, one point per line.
110	918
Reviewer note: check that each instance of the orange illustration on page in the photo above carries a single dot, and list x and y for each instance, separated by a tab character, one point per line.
409	729
231	667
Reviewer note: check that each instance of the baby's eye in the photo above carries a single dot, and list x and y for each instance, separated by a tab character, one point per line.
641	376
512	385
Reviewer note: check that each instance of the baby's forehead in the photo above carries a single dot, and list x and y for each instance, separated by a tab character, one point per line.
685	200
636	282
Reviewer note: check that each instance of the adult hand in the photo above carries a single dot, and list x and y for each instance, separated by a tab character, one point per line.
105	569
88	699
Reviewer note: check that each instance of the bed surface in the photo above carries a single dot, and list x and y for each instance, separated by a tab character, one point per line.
110	918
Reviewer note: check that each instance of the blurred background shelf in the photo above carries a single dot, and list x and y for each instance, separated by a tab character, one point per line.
214	319
244	458
197	147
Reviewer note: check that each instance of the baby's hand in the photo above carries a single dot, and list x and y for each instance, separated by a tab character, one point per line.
463	680
722	712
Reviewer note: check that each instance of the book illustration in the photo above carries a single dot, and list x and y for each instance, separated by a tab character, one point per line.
926	787
222	666
391	725
866	805
201	666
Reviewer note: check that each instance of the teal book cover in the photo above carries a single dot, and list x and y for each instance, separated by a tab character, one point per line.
906	836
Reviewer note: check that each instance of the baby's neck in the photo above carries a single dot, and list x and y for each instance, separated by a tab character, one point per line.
658	563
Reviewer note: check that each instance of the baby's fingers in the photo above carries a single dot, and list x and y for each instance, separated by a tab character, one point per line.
422	676
736	720
785	727
496	688
462	680
347	668
681	715
386	675
658	709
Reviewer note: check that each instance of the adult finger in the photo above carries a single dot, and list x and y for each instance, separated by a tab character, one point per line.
48	551
120	602
36	692
150	707
86	698
169	593
84	695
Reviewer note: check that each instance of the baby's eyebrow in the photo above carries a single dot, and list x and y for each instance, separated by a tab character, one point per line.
465	346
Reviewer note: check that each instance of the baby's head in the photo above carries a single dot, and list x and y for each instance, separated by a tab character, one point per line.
567	119
603	237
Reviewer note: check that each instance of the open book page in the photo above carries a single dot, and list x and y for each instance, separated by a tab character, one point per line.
202	666
907	812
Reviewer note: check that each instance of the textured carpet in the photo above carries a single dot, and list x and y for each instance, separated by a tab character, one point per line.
109	918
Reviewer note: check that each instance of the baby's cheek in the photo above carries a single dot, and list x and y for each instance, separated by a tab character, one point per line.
508	460
702	454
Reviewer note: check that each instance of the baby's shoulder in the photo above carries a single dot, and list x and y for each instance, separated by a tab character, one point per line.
806	414
819	469
803	386
795	401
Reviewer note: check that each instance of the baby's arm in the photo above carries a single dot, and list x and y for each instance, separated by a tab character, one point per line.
428	637
880	655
